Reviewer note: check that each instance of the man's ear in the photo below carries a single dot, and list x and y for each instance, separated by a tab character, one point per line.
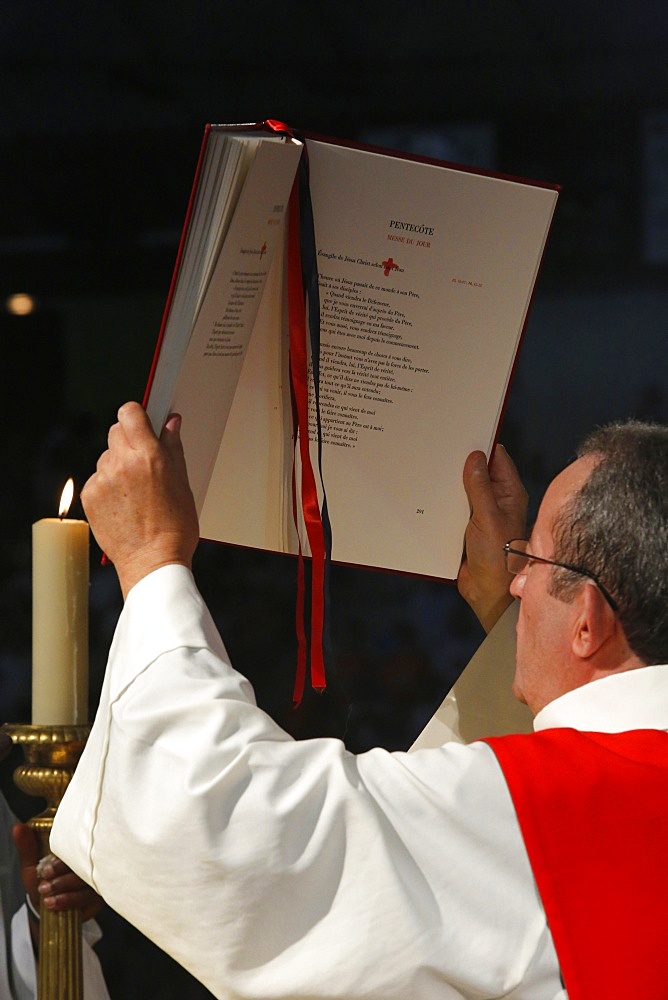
595	622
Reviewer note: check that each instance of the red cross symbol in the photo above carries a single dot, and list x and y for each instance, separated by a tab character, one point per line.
389	265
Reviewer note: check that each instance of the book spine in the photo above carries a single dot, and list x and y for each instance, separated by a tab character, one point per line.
177	265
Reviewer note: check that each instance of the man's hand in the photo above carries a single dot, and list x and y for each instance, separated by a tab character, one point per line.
138	502
51	880
498	513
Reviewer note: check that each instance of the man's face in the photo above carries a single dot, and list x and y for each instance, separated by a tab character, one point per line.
544	666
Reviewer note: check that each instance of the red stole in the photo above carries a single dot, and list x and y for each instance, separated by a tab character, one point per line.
593	811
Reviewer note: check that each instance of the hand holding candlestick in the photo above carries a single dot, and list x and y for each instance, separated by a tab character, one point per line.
51	754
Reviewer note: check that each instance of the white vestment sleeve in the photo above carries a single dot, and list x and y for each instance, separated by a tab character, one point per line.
272	868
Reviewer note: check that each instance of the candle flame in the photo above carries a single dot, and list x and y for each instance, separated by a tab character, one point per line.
66	498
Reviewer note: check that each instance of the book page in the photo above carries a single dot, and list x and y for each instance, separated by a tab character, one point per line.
426	274
207	376
249	500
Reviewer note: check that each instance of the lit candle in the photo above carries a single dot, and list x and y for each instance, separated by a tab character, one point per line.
60	618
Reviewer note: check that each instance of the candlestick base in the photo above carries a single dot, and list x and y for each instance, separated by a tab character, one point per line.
51	754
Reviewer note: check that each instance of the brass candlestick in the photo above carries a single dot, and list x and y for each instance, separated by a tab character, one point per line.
51	755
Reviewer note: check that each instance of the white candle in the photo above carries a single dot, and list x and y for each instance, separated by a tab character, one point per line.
60	619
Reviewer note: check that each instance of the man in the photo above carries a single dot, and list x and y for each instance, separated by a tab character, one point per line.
311	872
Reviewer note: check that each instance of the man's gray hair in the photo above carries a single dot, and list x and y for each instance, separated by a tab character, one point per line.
616	527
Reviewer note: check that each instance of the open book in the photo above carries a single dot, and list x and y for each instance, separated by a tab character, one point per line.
425	273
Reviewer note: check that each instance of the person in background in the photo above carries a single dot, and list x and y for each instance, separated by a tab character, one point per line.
21	870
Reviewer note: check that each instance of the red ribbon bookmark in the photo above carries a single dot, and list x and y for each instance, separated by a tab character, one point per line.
307	488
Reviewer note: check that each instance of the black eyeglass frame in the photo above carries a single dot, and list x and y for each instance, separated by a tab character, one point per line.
530	557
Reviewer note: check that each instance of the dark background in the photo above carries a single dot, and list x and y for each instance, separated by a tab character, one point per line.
102	112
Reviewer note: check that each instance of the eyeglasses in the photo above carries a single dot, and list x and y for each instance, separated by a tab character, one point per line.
517	558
